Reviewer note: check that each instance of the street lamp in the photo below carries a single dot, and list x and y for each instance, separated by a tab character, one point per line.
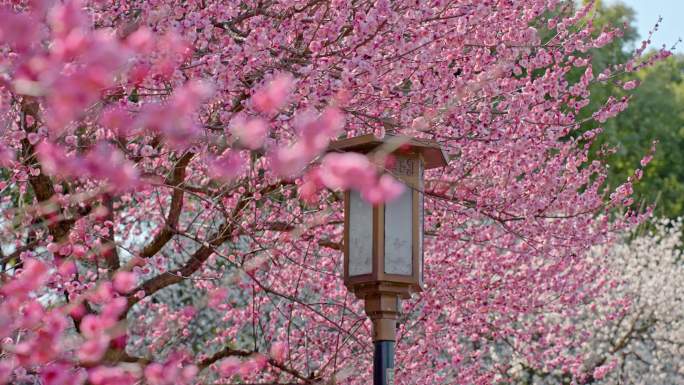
383	244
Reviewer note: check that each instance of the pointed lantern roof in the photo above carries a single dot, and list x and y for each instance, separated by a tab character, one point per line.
431	152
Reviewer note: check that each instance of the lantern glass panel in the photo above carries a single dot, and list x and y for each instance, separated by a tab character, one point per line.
399	228
421	224
360	235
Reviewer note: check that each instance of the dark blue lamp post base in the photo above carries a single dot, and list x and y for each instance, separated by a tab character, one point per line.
383	363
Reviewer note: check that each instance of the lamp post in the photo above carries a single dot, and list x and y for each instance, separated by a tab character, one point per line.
383	244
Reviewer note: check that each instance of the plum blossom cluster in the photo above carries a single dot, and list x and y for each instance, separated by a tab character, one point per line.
633	332
170	212
37	341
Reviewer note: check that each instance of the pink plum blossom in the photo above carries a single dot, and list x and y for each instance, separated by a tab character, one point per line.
229	366
274	94
251	133
124	282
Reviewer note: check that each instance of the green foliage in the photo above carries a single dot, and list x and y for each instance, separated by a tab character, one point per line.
656	112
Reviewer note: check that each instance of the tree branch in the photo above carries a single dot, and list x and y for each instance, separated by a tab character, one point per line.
230	352
165	235
110	252
198	258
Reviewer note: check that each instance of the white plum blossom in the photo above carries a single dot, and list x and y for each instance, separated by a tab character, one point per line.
635	332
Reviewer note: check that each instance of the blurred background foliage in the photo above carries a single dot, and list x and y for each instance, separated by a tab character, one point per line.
655	112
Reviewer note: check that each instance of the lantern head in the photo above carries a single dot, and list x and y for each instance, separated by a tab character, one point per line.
383	244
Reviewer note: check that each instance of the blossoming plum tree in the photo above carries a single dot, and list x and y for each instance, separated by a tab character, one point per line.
165	176
635	328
